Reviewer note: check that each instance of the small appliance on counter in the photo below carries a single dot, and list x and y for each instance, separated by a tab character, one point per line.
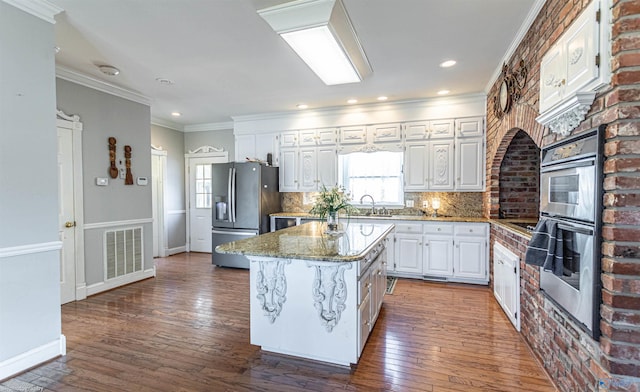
244	195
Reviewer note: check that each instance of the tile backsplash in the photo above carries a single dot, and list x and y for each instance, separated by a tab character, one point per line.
467	204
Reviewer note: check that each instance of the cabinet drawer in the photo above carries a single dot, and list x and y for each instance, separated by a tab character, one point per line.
438	228
364	286
415	228
479	230
386	133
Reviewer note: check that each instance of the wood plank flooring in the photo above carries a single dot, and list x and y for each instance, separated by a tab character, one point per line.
188	330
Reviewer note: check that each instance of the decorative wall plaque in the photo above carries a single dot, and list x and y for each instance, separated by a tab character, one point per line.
128	179
113	170
510	91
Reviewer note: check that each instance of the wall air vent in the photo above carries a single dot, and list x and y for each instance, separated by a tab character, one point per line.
123	252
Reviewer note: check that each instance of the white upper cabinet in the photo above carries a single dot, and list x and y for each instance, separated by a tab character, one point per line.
469	127
470	164
416	166
385	132
309	160
574	62
257	147
424	130
441	165
353	135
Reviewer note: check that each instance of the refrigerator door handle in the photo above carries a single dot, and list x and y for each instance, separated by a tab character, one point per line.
233	195
229	187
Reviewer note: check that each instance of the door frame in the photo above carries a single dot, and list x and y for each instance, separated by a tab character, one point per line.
160	211
200	152
73	123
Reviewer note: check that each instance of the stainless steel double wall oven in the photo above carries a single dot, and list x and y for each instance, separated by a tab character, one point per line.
571	194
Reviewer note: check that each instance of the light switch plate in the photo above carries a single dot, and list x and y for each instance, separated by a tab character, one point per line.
102	181
142	180
409	203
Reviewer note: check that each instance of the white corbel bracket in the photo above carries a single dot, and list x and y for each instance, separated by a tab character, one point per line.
567	115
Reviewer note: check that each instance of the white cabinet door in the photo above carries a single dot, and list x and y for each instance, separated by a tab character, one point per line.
470	127
327	166
580	47
308	174
438	256
307	137
267	143
355	134
385	132
417	130
288	170
245	147
408	253
441	129
326	136
415	166
440	165
289	139
470	165
552	77
469	258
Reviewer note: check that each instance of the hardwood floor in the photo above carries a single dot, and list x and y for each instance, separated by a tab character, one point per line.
188	330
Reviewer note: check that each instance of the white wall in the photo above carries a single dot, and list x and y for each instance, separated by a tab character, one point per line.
30	319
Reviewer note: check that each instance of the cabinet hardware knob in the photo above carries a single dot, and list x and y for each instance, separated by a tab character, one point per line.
69	224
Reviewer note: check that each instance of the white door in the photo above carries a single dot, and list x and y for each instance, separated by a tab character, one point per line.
66	216
200	202
438	256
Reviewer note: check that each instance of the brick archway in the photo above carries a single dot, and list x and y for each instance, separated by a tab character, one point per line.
521	118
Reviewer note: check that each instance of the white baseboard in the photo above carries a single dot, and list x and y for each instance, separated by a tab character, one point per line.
175	251
81	292
120	281
19	363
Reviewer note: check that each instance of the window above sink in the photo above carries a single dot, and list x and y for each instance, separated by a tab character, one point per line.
378	174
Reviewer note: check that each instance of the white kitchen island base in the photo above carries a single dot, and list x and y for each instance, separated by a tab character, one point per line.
321	309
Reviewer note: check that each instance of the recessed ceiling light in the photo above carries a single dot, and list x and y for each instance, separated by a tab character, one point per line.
448	63
176	114
164	81
443	92
109	70
302	106
382	98
352	101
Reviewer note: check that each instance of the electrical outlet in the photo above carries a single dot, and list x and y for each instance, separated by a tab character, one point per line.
425	204
409	203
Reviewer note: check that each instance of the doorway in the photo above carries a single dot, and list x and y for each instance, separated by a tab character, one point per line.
198	189
70	202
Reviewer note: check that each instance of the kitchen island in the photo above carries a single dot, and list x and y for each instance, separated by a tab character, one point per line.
315	295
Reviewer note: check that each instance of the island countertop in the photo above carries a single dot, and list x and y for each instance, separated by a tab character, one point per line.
310	242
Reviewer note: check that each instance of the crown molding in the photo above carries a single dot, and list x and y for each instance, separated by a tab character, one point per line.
166	124
38	8
524	29
96	84
370	107
219	126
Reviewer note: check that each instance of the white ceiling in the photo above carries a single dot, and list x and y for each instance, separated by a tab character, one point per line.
226	61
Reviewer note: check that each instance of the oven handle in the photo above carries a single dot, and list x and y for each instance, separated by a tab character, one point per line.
572	165
578	230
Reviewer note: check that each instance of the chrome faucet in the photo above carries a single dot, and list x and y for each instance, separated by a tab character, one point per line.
373	203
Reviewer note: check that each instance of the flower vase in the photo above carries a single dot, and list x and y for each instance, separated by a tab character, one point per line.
332	222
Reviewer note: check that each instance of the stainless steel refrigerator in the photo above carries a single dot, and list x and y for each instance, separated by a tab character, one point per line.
244	195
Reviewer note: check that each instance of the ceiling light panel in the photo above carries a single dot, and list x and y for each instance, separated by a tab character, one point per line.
320	32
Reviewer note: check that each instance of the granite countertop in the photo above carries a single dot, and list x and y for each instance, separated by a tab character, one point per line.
517	225
423	218
309	242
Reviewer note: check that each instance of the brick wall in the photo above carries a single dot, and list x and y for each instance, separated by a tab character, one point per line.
519	179
575	361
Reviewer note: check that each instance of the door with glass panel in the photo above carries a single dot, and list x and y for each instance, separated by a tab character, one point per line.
200	203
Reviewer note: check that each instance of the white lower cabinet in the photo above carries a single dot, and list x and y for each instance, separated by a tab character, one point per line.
408	252
372	287
448	251
506	282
